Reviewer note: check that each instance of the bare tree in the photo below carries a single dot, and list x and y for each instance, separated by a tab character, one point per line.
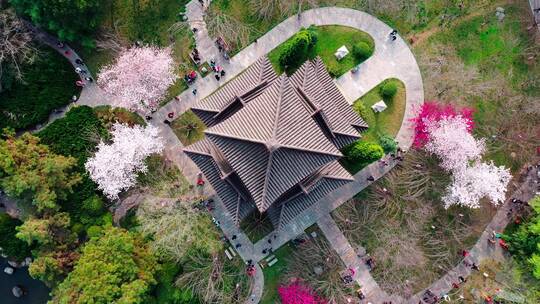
214	279
16	46
233	31
267	9
326	280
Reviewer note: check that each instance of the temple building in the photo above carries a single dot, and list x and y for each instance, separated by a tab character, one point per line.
273	142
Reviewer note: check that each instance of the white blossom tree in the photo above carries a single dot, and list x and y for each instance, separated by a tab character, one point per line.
477	181
139	78
114	167
451	141
449	138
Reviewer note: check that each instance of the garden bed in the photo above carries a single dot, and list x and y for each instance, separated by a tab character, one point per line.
329	39
256	226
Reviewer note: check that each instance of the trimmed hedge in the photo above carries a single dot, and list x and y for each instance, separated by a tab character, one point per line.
388	143
363	152
389	89
296	50
49	83
362	50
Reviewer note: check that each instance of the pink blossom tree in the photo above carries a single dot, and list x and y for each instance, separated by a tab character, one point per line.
477	181
114	167
446	133
431	112
139	78
450	139
296	293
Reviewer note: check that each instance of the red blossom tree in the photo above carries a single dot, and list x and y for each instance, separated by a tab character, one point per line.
296	293
431	112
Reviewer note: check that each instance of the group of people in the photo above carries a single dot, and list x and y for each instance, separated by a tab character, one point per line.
218	70
393	35
196	56
190	77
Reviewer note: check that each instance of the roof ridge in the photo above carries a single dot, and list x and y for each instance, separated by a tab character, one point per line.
273	138
208	132
339	154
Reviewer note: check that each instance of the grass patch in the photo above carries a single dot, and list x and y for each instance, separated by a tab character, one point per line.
273	274
256	226
188	128
329	39
386	122
492	46
48	84
163	178
109	116
407	17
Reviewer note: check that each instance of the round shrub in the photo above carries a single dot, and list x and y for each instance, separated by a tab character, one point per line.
388	143
93	205
362	50
94	231
389	89
77	228
364	152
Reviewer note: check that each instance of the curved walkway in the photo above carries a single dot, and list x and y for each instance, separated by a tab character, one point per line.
91	94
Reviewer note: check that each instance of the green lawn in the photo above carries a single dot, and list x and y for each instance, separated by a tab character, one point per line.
272	275
188	128
48	84
329	39
388	121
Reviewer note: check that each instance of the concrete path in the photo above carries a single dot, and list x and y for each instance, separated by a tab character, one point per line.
91	94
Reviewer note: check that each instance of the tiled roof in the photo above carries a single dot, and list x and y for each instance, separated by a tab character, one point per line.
275	146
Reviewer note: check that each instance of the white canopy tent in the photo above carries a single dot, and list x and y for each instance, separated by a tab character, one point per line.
341	52
379	107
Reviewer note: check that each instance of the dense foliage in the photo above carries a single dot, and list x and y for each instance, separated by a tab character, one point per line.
362	50
116	267
388	89
30	171
295	50
74	20
525	240
12	246
388	143
49	83
76	134
363	152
